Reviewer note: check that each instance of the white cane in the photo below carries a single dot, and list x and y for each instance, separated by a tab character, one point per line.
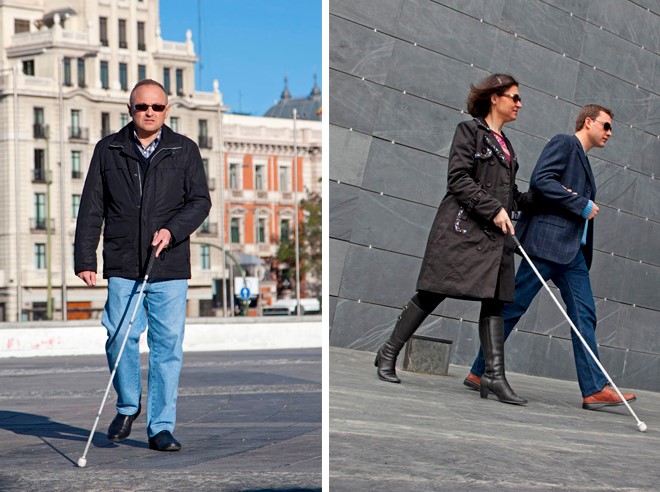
640	425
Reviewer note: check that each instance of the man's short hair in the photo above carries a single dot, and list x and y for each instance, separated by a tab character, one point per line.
147	82
590	111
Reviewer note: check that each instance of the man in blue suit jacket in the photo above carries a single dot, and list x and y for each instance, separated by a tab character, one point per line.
559	239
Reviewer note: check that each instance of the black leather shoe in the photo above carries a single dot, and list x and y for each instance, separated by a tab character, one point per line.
164	441
120	428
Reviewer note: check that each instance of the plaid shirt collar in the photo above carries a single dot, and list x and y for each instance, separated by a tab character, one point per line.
149	149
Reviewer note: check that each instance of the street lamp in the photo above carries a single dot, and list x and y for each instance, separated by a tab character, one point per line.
295	217
221	181
49	232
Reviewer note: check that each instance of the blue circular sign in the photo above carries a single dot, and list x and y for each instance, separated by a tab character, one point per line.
245	293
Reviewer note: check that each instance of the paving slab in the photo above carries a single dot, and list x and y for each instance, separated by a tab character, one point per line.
432	433
247	420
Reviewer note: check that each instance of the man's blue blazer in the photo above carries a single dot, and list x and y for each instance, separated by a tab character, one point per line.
554	232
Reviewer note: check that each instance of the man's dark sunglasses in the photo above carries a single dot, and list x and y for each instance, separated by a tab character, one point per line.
607	126
158	108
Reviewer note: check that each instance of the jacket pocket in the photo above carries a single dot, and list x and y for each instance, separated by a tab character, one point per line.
553	220
117	246
461	225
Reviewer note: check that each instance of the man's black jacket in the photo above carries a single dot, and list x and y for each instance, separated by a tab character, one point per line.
173	195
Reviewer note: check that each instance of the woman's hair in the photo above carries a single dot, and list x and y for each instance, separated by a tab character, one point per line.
478	101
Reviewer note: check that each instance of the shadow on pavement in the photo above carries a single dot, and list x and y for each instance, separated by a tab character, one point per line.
42	427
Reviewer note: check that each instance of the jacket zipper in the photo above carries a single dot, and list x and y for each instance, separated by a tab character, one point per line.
139	181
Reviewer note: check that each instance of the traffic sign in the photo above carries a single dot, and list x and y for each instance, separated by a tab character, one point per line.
245	293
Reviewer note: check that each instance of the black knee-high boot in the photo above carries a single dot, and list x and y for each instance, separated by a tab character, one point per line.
409	320
491	335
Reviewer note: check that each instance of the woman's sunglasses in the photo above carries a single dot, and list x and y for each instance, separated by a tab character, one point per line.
158	108
514	97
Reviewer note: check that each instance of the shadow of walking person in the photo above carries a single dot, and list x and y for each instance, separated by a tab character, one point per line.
49	431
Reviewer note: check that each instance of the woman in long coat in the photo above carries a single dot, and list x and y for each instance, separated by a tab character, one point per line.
469	254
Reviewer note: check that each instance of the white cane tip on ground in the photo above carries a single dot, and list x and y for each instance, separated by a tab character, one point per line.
642	427
82	462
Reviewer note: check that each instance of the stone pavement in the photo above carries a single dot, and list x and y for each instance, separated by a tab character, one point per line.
432	433
247	421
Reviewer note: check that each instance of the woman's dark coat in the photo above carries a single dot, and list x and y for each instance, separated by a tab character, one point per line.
465	251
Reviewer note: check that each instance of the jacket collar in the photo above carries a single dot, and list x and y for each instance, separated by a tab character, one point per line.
122	138
492	142
585	162
122	142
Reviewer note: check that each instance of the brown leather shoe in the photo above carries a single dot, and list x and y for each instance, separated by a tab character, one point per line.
473	382
606	397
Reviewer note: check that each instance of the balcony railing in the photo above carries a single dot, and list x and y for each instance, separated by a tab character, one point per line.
39	130
28	42
237	193
39	224
262	195
76	174
78	133
205	142
210	229
287	195
40	176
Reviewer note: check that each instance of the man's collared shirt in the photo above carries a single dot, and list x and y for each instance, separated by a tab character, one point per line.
149	149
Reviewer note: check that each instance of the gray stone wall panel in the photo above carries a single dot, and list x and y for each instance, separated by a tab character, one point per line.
545	25
343	206
628	20
405	172
359	50
382	14
431	75
337	253
349	155
631	62
447	31
414	122
379	277
403	226
354	102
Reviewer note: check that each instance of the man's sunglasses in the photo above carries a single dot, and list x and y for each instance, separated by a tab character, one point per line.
607	126
158	108
514	97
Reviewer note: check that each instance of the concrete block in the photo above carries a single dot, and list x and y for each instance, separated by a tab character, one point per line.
428	355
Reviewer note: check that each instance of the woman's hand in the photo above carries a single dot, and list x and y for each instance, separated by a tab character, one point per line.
502	221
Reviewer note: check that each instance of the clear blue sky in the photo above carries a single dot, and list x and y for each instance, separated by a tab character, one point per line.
249	46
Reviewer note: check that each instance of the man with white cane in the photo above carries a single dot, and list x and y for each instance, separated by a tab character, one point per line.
559	240
146	190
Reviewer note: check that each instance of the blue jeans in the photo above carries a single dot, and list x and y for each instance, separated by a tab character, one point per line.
574	284
164	310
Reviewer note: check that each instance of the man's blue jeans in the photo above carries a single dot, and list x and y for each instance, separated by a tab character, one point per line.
574	284
164	311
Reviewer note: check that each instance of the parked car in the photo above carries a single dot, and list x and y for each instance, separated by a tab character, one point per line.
287	307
